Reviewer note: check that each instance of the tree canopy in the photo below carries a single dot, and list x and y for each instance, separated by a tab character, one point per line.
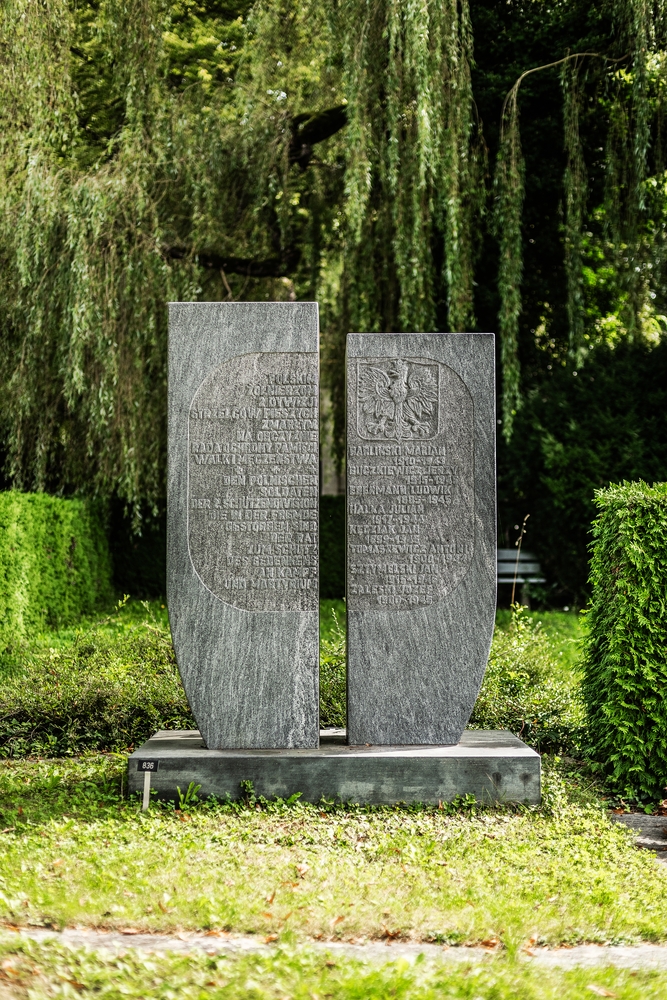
412	165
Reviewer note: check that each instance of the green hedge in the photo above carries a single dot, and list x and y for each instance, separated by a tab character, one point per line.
54	563
625	652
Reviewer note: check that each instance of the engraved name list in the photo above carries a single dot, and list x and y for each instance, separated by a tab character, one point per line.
253	482
410	500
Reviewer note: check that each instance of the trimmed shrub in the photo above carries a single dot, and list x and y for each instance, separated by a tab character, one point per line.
54	563
625	651
108	690
526	690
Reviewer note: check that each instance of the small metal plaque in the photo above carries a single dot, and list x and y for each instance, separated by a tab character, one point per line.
148	765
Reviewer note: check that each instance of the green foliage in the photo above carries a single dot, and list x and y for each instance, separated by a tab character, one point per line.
333	681
625	661
77	852
154	151
140	560
613	104
526	690
55	563
584	426
106	690
332	547
509	188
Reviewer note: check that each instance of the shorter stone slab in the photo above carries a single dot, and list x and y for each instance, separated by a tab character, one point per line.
492	766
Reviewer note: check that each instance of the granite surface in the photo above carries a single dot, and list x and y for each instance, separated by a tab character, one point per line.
492	766
242	522
421	530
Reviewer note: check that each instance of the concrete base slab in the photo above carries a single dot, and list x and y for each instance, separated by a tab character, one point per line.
492	766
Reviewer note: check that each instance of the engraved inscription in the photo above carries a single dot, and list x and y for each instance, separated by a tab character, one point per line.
253	482
410	475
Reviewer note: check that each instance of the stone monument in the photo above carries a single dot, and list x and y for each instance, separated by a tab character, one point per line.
421	533
242	564
243	489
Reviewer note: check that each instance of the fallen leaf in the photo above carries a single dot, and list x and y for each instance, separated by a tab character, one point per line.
73	982
600	990
165	909
55	864
336	920
302	869
126	892
269	899
287	916
9	829
332	965
386	933
489	943
268	916
270	937
129	930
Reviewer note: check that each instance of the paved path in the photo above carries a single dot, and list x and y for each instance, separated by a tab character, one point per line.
645	956
651	831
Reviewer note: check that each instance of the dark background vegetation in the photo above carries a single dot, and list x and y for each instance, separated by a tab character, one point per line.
587	417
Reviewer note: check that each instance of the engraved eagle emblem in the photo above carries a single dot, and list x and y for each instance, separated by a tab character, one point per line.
398	400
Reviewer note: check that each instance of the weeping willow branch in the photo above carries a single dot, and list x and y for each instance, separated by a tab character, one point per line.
509	188
575	183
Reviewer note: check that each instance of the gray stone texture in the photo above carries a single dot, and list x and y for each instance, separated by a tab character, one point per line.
421	533
492	766
242	542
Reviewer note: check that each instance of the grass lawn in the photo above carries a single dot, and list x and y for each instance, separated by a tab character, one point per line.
47	971
74	852
564	628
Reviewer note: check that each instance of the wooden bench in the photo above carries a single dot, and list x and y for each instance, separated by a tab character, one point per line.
528	570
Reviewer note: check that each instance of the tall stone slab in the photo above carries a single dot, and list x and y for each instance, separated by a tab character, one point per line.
243	494
421	533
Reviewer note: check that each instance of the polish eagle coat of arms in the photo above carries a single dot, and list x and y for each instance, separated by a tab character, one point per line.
397	399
